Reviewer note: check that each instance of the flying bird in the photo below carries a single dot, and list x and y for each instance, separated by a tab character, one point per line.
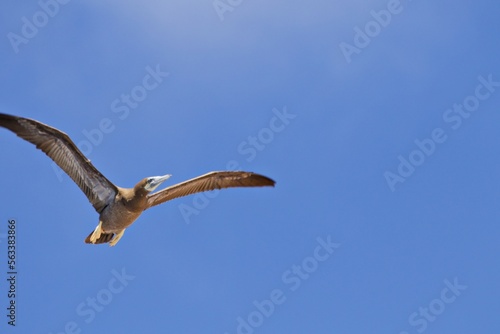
118	207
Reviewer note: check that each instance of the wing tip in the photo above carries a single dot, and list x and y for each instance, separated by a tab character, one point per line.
6	119
262	180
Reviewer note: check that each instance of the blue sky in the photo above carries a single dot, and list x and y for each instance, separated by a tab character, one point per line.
378	120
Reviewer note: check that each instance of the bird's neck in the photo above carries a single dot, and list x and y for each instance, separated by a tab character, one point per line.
134	199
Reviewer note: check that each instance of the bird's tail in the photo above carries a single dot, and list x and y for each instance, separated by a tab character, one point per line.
104	238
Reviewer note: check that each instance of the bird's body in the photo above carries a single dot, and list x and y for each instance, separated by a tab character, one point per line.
124	210
118	207
120	213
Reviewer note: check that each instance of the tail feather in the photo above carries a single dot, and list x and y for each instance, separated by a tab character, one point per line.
104	238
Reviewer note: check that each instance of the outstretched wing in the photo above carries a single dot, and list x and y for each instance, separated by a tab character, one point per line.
210	181
60	148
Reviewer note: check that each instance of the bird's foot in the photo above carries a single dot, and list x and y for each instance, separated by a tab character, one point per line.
116	238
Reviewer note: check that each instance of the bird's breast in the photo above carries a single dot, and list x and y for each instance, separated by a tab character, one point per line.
117	217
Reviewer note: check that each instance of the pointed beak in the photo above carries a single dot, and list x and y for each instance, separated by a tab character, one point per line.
157	180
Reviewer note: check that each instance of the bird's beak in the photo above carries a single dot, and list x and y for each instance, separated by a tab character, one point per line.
157	180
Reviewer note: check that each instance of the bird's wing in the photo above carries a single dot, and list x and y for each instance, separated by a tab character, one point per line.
209	181
60	148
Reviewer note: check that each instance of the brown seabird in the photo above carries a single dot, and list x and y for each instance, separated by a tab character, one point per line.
118	207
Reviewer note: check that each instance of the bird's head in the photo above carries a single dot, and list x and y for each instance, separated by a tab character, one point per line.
152	182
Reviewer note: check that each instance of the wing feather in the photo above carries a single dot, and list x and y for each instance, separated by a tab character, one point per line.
61	149
209	181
